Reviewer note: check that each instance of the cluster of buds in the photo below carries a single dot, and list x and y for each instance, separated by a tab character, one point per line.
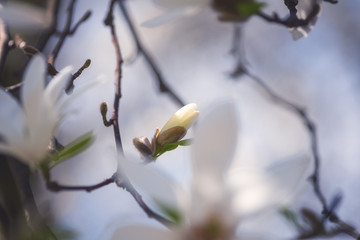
170	134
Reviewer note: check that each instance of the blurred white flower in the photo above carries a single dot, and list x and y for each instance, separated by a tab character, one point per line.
175	9
26	17
26	130
219	199
304	9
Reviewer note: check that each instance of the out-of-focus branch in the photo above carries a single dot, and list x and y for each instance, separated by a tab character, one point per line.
331	1
163	86
64	33
291	21
67	31
342	227
70	85
328	210
51	9
56	187
124	183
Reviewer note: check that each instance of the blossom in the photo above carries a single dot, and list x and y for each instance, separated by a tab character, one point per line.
26	130
183	119
173	131
220	198
306	8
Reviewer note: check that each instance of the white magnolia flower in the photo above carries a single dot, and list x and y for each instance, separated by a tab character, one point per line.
304	9
176	8
219	200
26	130
173	131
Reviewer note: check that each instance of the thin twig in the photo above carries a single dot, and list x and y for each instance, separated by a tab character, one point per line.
292	20
64	34
309	124
163	86
311	127
67	31
81	20
53	9
109	21
55	187
328	210
122	181
70	85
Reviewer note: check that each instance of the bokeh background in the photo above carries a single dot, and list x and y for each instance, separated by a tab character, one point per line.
320	73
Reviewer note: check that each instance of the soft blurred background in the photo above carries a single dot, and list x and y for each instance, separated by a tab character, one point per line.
320	73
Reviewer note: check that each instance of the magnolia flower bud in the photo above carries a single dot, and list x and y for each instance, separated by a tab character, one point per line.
171	135
184	117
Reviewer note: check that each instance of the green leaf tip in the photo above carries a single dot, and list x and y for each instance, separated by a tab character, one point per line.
172	213
249	8
72	149
170	146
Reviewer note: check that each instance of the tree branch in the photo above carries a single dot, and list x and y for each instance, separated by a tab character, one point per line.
122	181
292	20
163	86
109	21
52	57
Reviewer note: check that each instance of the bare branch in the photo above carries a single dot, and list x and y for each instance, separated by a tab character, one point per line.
55	187
67	31
163	86
52	9
64	34
124	183
70	85
109	21
292	20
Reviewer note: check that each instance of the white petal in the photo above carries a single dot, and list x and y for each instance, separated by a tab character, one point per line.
12	151
57	86
142	232
304	8
185	117
166	17
215	141
32	91
153	182
258	190
78	91
11	118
